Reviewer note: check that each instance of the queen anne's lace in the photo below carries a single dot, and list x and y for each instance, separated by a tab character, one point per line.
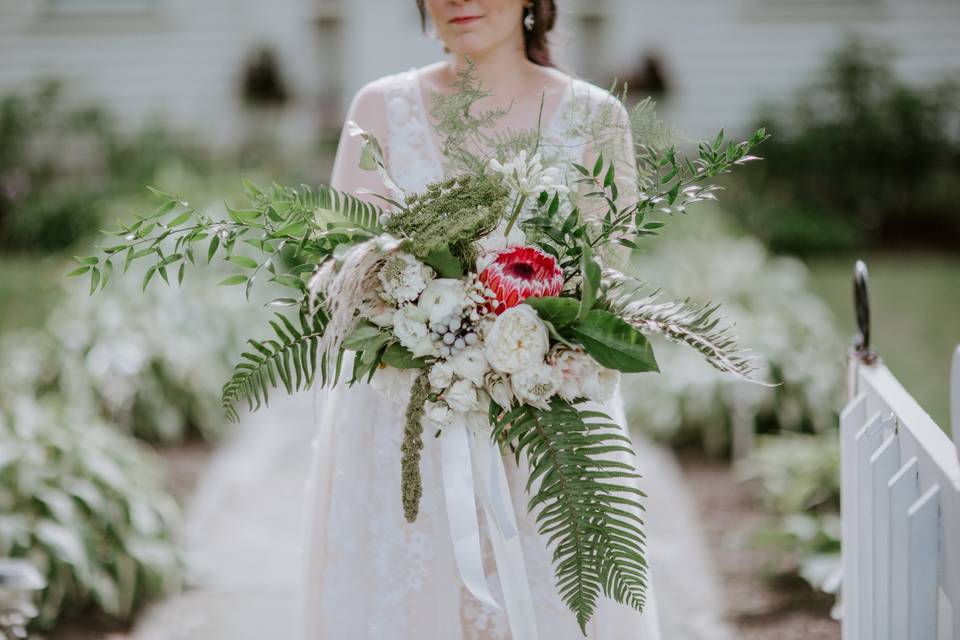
370	574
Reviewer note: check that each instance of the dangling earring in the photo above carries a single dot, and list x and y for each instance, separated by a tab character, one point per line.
529	20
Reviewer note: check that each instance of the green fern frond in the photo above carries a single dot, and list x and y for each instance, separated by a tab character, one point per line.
683	322
585	502
291	359
330	203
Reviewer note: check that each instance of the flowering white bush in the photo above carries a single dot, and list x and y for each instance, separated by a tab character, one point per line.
789	329
87	506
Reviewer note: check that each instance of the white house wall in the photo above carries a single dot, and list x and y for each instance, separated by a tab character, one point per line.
180	59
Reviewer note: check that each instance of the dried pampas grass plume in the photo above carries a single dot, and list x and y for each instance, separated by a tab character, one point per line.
342	287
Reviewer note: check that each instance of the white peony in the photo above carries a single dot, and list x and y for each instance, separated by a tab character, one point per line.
410	327
443	297
517	340
404	277
470	363
437	412
537	384
462	396
440	376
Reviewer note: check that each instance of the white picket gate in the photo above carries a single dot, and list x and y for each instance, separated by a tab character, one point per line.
900	501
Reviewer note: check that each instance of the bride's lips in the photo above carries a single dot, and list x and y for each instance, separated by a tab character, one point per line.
464	19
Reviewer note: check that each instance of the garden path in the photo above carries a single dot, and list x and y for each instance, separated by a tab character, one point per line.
243	539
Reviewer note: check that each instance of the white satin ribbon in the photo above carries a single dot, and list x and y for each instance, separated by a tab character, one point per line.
465	452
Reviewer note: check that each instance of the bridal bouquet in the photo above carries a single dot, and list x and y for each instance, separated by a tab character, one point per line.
492	295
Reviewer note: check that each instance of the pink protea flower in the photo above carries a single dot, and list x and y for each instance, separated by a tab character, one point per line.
519	273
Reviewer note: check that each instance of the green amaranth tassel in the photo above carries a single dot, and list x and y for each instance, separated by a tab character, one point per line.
411	484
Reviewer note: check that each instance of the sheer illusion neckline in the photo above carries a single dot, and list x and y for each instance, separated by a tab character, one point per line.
431	141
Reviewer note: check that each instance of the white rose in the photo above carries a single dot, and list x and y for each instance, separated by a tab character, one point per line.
578	371
470	363
404	277
462	396
443	297
410	327
602	385
499	389
537	384
440	376
437	412
517	340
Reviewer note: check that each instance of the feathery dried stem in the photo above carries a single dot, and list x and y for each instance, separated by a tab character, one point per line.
682	322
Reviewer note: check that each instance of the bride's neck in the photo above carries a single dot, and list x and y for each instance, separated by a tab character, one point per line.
503	70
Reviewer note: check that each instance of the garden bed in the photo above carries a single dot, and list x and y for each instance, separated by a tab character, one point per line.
758	607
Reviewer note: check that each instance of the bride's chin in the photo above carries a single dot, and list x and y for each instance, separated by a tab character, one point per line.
470	46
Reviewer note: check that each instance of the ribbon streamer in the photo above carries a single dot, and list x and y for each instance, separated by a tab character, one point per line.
465	452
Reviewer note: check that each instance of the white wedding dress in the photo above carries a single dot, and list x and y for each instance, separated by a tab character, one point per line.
369	574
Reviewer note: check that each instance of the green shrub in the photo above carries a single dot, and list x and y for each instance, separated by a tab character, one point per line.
87	506
60	166
859	158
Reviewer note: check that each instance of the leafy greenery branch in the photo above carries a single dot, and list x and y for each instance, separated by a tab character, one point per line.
306	224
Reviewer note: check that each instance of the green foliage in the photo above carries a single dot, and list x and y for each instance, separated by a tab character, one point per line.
613	343
465	130
451	214
860	157
291	357
60	167
87	506
584	501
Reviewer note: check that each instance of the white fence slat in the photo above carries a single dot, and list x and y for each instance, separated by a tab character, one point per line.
852	418
955	401
883	465
868	440
924	573
904	488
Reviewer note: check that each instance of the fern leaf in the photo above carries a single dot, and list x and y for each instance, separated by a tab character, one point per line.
585	502
289	359
333	206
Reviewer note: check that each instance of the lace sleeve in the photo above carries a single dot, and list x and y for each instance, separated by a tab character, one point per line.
368	110
611	135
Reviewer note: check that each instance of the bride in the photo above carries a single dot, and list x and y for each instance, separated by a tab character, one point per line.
369	574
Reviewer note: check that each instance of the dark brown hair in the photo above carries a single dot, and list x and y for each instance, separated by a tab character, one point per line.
535	40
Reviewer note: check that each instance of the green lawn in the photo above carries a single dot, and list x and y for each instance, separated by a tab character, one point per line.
915	305
29	286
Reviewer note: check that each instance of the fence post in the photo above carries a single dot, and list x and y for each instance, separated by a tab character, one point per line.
955	401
